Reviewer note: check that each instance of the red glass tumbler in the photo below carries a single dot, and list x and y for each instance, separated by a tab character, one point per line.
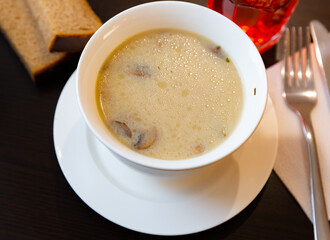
262	20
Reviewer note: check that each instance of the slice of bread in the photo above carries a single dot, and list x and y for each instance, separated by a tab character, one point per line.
66	25
19	26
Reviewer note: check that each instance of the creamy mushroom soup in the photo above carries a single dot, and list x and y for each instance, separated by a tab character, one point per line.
169	94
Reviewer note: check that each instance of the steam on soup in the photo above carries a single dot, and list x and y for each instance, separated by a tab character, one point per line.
169	94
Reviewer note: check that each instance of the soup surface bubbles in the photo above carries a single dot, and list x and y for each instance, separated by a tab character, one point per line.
169	94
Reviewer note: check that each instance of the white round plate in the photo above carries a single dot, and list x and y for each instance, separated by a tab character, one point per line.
160	205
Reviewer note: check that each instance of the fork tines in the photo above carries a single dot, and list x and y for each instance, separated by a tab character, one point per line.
294	49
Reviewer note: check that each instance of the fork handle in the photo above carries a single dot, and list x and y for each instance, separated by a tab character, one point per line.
319	210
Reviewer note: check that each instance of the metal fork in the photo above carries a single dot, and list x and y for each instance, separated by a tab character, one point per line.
301	96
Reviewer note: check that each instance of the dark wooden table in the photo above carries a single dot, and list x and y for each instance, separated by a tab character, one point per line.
36	202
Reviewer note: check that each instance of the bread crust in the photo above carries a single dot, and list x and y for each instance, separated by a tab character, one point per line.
66	25
18	25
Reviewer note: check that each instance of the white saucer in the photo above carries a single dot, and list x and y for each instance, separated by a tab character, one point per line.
155	205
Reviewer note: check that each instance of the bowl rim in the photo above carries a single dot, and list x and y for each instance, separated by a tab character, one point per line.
138	158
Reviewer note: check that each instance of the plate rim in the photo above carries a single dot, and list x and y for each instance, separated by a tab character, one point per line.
59	156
